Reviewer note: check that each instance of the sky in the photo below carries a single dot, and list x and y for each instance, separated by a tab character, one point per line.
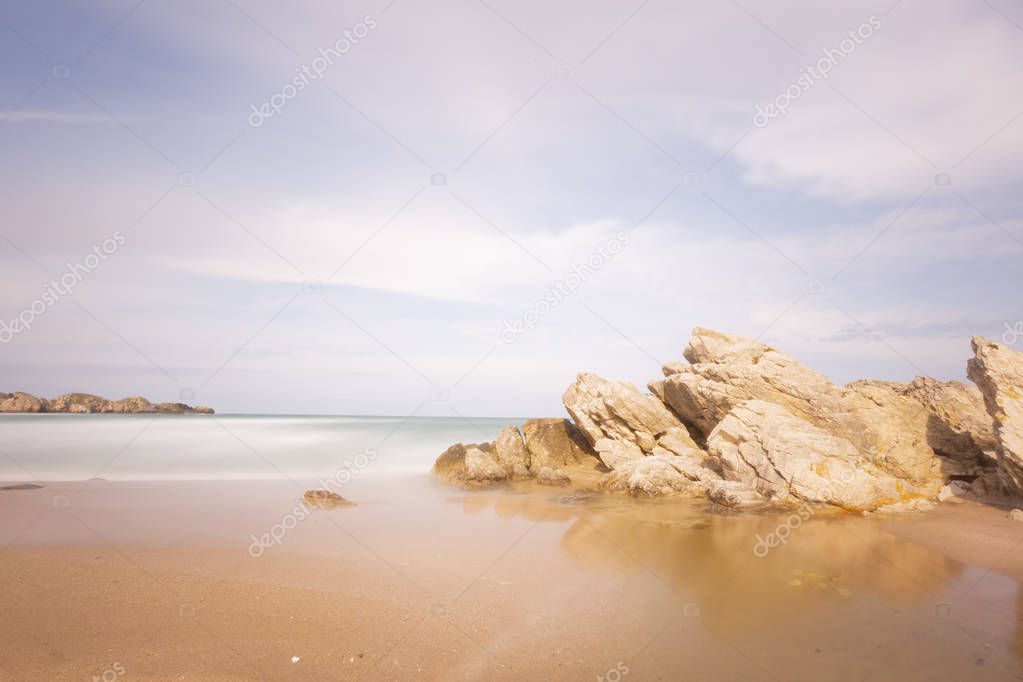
450	208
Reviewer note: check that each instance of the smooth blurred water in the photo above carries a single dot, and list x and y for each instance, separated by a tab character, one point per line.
59	447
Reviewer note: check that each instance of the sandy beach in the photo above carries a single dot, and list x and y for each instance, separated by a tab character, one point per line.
161	581
511	340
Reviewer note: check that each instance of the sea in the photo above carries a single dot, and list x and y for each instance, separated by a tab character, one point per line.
139	447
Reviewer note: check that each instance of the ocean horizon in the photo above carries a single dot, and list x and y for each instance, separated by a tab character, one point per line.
136	447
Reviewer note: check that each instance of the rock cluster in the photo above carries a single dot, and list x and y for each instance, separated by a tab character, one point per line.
84	403
744	424
551	451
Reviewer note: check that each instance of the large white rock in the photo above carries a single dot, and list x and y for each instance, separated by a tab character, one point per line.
617	410
964	425
653	475
882	424
788	460
998	371
615	453
678	441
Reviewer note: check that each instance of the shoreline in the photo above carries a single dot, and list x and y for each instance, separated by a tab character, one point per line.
429	582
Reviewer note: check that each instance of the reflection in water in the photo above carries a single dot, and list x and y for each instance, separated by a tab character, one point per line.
839	585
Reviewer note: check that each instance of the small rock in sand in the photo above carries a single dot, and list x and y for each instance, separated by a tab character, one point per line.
1016	515
326	499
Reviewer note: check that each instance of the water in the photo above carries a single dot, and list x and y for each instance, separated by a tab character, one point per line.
58	447
543	582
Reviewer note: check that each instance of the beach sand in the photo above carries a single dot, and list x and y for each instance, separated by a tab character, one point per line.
162	581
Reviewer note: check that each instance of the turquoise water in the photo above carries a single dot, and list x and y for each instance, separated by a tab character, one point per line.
62	447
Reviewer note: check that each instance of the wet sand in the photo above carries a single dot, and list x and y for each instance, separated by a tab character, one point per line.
161	580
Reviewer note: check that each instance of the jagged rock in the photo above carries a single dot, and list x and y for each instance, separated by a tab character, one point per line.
678	441
326	499
22	402
480	466
695	465
552	477
964	427
891	429
615	453
672	367
471	466
649	476
707	390
708	345
746	425
511	452
617	410
786	459
998	371
734	495
878	421
556	443
452	460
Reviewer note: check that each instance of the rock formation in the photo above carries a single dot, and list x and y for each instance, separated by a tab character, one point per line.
556	443
617	410
786	460
85	403
744	425
998	371
511	452
881	423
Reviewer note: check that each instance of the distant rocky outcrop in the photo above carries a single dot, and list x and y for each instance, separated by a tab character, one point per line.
85	403
21	402
743	424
